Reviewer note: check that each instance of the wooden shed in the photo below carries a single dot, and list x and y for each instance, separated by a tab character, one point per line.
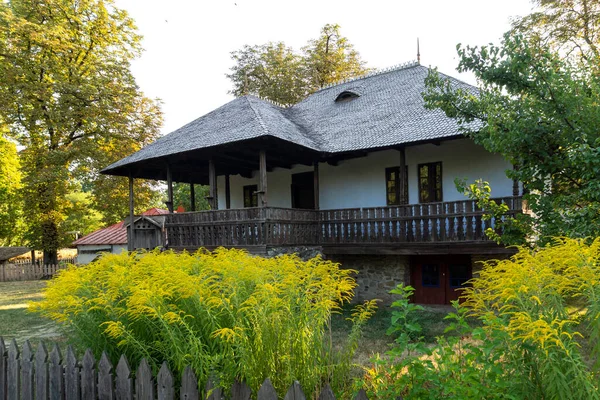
148	232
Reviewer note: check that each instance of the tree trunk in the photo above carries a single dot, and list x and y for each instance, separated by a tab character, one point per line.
50	242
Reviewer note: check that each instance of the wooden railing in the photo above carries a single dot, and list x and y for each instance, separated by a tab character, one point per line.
430	222
456	221
242	227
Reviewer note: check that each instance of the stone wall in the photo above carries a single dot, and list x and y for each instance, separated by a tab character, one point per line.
377	274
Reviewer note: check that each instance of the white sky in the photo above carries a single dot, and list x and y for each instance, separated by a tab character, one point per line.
188	42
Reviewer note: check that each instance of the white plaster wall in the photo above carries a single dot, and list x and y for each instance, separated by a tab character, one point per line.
279	183
89	257
360	182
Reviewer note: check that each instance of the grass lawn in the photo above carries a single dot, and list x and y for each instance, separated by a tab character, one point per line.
16	322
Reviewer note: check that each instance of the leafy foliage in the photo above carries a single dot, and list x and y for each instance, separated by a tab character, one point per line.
11	202
508	230
540	112
68	97
539	338
570	27
81	217
274	71
181	196
227	314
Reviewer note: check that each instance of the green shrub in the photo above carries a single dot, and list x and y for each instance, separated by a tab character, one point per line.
540	316
227	314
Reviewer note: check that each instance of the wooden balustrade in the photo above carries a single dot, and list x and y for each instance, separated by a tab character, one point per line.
456	221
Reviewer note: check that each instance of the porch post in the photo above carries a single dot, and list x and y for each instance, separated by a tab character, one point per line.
515	182
192	197
227	192
169	189
262	190
402	177
131	229
316	184
212	182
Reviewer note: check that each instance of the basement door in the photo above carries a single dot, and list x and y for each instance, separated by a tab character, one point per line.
439	279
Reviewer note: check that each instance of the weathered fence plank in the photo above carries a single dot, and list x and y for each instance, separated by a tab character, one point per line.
144	385
123	384
267	391
164	383
240	391
295	392
105	379
361	395
189	385
3	367
27	372
13	376
41	373
213	392
56	385
326	393
88	376
72	381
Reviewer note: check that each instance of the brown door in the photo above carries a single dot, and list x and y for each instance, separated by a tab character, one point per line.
438	279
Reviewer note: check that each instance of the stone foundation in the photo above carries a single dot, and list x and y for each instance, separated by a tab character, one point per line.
377	274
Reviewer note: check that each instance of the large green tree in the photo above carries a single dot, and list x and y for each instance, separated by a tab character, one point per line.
569	27
540	111
67	95
276	72
11	202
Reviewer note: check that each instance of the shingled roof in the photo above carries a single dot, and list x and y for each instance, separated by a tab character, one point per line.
388	111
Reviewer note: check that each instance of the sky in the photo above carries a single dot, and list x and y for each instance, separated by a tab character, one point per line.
188	42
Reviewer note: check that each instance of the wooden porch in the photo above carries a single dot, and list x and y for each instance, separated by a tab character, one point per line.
455	227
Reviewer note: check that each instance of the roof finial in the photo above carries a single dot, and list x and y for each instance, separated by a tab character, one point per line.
418	53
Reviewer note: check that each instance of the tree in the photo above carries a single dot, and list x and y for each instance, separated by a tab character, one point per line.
570	27
275	72
271	70
331	58
81	217
181	196
11	202
540	111
67	95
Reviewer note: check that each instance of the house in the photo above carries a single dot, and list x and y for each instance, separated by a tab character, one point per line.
112	239
359	170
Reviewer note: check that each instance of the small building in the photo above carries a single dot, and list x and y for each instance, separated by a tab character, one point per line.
112	239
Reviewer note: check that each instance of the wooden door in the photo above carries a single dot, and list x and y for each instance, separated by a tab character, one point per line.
303	190
438	279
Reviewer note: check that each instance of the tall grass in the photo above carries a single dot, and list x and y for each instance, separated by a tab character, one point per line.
227	314
537	337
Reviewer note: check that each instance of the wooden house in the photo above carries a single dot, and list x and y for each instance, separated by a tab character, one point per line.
360	170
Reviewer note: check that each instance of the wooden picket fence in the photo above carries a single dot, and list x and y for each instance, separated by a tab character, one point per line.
42	376
26	271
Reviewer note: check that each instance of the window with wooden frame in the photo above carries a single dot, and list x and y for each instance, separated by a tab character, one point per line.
250	196
430	182
392	186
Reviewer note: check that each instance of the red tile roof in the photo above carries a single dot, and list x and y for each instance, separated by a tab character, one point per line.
114	234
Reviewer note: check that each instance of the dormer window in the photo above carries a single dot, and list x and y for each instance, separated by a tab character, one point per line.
346	95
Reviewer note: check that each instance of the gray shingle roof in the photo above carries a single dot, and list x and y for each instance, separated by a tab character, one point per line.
390	111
